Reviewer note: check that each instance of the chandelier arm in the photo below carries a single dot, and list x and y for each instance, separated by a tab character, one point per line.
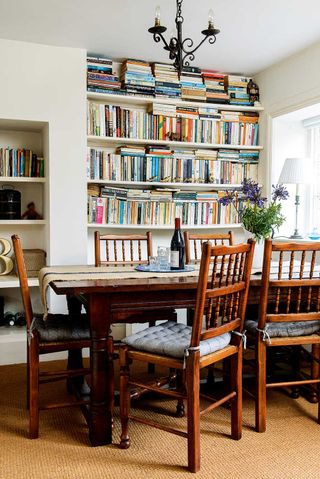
212	39
157	37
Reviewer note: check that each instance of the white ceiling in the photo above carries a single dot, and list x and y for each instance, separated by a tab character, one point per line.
254	33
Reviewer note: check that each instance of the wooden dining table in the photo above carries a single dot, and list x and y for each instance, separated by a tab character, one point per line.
112	301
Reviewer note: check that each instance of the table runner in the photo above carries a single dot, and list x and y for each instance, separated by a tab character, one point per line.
76	273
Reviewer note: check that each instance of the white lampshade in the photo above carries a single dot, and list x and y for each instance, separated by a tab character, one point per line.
296	171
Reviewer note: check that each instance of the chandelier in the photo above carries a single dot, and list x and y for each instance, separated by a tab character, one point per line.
181	51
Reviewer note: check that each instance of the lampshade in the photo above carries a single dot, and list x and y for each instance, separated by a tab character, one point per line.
296	171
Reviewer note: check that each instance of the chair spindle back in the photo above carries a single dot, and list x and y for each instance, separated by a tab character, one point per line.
194	242
222	292
290	282
122	250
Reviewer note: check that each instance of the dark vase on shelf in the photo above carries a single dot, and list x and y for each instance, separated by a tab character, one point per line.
177	248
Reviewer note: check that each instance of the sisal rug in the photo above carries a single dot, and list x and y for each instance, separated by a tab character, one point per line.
288	450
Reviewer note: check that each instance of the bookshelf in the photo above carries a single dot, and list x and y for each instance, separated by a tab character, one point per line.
111	144
17	135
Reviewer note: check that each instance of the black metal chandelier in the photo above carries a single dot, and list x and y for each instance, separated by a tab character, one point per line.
181	51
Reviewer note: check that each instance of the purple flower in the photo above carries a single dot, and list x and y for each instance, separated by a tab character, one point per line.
252	193
279	192
229	197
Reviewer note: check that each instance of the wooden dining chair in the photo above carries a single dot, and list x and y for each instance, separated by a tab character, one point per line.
122	249
193	247
59	332
223	283
193	243
289	317
130	250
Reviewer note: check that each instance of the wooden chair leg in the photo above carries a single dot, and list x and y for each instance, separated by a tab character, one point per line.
180	412
124	398
28	378
295	390
33	375
315	371
193	395
261	389
236	385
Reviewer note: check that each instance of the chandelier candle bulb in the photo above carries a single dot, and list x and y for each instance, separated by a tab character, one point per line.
210	18
157	16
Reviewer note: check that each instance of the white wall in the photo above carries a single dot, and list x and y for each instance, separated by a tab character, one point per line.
286	86
48	84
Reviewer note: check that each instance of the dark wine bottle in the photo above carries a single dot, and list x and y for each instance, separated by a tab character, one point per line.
9	319
177	247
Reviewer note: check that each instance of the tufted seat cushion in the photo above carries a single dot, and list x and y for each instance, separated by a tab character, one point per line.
171	339
285	329
61	327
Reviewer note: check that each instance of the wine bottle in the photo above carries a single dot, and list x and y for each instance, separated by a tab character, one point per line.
177	248
9	319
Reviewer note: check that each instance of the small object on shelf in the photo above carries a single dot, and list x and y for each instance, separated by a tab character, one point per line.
6	263
20	319
31	213
253	90
314	235
10	203
177	248
9	318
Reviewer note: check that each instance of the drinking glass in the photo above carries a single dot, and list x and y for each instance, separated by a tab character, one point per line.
163	258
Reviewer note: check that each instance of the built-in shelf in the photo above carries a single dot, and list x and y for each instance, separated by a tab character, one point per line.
22	179
144	100
159	184
107	140
163	227
12	334
12	281
23	222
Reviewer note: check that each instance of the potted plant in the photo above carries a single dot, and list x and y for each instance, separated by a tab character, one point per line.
259	217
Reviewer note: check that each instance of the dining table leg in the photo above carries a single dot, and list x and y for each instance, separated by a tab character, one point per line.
101	360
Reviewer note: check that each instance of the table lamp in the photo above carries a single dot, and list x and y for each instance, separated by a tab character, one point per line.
296	171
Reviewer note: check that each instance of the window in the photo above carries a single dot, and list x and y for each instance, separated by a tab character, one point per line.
313	147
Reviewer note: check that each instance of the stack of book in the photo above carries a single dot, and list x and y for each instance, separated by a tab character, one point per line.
215	87
209	114
136	77
163	109
167	82
237	90
100	77
192	87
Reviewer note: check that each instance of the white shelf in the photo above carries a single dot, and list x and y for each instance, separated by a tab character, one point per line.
21	179
11	281
159	227
12	334
23	222
105	140
144	100
159	184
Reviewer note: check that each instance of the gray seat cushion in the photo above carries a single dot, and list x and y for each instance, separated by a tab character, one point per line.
62	327
284	329
171	339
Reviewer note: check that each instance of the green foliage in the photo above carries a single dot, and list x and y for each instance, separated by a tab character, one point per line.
261	221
